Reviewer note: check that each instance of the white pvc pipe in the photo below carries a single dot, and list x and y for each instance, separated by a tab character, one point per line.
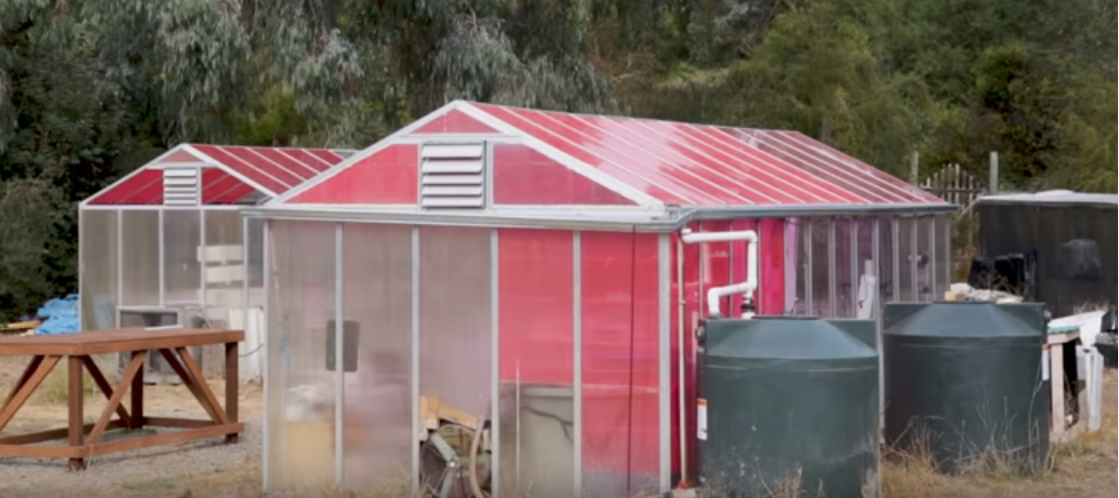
750	285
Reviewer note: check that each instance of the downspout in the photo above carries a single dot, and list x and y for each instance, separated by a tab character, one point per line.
713	295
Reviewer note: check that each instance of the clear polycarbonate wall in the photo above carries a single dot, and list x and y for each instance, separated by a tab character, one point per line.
192	261
840	261
556	337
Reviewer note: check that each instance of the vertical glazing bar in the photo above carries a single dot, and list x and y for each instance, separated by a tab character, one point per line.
914	251
339	351
120	267
895	247
664	356
948	251
876	308
415	356
833	285
934	276
681	334
269	411
704	274
809	252
577	356
495	362
162	247
854	235
246	273
201	251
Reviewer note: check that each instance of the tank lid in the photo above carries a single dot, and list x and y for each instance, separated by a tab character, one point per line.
783	339
956	319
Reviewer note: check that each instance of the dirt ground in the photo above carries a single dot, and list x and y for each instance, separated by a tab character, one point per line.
1082	468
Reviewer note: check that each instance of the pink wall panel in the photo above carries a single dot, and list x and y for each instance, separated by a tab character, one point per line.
455	122
537	306
180	156
524	176
388	176
619	357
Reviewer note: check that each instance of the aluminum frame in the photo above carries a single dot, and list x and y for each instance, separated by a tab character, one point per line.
339	351
664	363
495	362
577	357
266	370
416	427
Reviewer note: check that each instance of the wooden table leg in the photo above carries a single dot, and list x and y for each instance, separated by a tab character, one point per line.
137	393
77	404
232	384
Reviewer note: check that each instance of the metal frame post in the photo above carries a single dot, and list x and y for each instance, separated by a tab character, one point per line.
833	284
577	357
664	367
339	351
267	381
416	427
495	360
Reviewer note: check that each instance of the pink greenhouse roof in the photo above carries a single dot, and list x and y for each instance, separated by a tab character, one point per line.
646	162
697	165
229	173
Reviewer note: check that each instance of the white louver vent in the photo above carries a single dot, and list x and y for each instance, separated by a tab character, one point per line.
180	186
453	176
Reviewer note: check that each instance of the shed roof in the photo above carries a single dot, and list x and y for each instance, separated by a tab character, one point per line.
229	174
1053	197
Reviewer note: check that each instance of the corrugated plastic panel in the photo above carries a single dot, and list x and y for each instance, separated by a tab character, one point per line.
231	173
141	189
696	165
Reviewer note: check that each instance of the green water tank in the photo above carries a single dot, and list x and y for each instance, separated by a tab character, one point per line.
964	382
788	405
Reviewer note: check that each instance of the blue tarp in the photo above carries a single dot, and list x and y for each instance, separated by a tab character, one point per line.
60	316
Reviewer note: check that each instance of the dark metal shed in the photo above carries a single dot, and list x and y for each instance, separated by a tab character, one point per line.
1071	237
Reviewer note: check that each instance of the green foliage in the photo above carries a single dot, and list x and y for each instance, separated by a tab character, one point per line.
90	90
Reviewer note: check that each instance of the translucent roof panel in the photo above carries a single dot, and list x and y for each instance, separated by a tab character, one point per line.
230	174
698	165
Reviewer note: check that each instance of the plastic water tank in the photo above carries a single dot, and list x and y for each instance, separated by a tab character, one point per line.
965	382
788	405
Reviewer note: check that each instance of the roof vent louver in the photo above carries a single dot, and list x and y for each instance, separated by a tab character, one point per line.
180	186
453	176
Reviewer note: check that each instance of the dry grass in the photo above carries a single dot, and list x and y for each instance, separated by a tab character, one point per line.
55	389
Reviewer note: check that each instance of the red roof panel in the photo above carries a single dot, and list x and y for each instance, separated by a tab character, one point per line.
681	163
136	189
233	172
454	121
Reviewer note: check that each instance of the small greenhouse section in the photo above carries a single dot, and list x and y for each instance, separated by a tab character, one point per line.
166	244
542	275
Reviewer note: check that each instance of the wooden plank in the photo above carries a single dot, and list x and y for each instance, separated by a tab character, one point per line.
23	378
115	341
164	438
51	435
178	423
106	389
32	451
21	395
137	392
76	397
202	391
214	412
134	368
232	386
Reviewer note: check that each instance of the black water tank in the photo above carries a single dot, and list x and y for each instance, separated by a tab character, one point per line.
787	402
965	381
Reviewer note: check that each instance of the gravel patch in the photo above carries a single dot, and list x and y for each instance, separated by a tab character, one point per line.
204	468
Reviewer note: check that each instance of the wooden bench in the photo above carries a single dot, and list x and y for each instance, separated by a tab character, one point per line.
85	441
